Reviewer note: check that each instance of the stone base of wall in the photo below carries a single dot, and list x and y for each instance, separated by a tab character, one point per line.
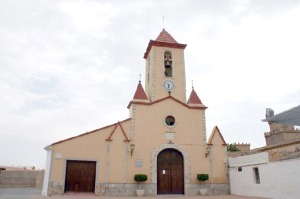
123	189
213	189
55	188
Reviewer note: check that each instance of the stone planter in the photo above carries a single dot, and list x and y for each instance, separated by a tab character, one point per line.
140	192
203	192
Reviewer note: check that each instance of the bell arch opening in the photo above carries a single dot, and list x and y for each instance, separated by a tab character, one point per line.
168	64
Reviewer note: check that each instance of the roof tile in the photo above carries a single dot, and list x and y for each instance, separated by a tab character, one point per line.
194	99
94	131
140	93
165	98
164	36
164	39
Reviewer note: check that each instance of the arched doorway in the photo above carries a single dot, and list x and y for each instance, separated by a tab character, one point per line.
170	172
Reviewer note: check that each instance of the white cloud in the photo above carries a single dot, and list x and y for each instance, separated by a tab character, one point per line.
68	67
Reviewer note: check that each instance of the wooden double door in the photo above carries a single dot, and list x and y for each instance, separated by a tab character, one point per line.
80	176
170	172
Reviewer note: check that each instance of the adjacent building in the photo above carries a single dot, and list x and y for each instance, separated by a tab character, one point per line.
271	171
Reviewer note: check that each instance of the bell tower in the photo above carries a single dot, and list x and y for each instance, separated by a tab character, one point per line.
165	68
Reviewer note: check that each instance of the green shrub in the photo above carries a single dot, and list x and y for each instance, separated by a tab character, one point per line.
140	177
232	148
202	177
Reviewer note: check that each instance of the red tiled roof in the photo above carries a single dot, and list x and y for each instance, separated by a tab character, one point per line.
164	39
214	132
194	99
164	36
165	98
93	131
140	93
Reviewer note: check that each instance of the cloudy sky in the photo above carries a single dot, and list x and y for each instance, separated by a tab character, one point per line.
71	66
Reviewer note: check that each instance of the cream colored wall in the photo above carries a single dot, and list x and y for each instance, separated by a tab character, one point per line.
117	164
218	164
199	161
150	121
154	88
114	163
190	133
218	160
94	147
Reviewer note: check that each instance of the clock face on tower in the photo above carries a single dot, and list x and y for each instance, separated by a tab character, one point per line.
169	85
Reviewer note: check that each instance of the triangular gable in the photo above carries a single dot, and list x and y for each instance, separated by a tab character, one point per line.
93	131
215	135
114	130
166	98
140	93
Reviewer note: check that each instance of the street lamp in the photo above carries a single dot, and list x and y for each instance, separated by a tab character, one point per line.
132	146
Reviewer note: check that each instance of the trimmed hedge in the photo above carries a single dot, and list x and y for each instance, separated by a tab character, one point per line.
202	177
140	177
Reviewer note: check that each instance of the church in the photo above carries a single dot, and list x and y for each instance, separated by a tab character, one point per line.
164	137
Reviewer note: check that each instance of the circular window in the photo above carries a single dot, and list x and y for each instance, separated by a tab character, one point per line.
170	120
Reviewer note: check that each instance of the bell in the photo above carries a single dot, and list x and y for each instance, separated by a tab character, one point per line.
168	64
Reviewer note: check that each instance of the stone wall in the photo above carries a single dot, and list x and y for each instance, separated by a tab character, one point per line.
273	138
123	189
213	189
39	179
25	178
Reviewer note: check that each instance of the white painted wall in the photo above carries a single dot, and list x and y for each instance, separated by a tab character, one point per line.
278	180
47	172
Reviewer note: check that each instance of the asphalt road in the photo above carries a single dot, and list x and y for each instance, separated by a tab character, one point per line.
20	193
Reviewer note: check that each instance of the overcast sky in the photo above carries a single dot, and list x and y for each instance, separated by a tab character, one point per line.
71	66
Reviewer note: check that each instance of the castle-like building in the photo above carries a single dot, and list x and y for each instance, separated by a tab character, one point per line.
164	138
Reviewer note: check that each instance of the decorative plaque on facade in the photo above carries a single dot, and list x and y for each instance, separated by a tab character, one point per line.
138	163
169	135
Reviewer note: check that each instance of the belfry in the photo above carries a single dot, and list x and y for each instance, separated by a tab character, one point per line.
164	138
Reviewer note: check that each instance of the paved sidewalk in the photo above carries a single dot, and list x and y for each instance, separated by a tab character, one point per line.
157	197
34	193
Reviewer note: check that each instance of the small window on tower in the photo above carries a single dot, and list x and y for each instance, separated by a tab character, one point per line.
170	120
168	64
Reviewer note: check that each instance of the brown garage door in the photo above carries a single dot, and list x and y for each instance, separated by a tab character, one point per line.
170	175
80	176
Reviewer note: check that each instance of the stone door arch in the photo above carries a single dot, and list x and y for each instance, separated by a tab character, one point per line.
186	162
170	174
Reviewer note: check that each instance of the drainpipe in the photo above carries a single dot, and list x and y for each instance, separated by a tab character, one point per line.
210	164
226	161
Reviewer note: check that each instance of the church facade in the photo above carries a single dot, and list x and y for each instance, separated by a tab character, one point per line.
164	138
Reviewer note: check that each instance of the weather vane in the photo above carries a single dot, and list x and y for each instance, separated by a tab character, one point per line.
193	84
140	77
163	17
